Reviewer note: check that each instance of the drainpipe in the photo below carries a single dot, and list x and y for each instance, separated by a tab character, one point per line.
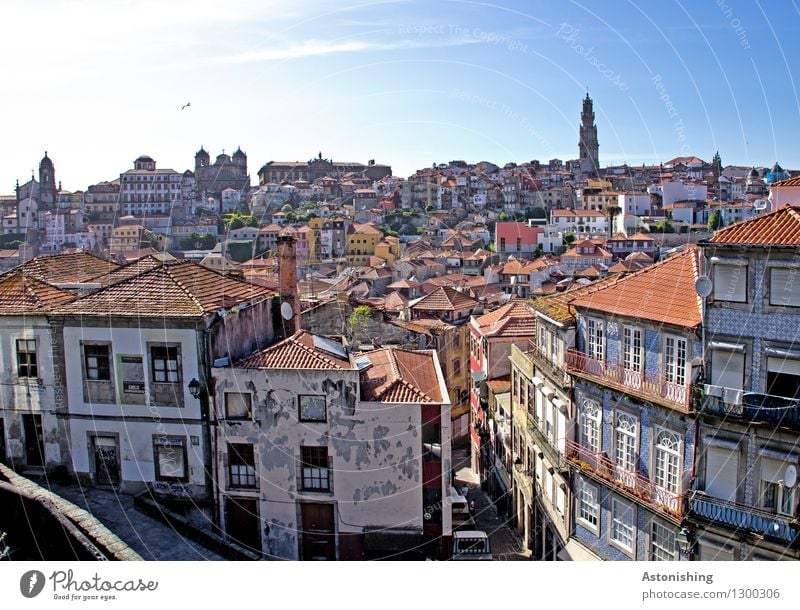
209	446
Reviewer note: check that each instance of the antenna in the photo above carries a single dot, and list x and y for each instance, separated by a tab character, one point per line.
287	313
790	476
703	286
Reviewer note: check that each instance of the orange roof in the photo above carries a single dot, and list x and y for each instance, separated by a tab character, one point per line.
394	301
788	182
513	319
67	268
303	350
778	228
444	298
663	292
173	290
557	306
399	375
23	295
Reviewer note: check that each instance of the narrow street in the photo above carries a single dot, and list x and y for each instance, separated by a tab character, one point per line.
505	543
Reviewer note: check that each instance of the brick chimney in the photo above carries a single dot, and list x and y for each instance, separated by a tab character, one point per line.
287	268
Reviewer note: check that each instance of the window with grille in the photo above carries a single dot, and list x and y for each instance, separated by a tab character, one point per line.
26	358
588	505
595	339
315	469
668	455
632	348
662	543
675	353
622	527
590	425
164	361
170	454
241	465
98	362
625	453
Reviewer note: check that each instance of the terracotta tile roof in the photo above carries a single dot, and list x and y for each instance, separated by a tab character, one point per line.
399	376
663	292
412	326
395	301
146	263
72	268
444	298
434	324
513	319
556	306
499	386
24	295
778	228
300	351
788	182
173	290
403	284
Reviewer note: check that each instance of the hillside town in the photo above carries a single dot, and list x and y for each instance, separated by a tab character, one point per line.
328	361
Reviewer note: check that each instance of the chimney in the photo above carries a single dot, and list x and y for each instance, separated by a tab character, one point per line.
287	270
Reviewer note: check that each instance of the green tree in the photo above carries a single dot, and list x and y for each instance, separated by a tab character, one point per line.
568	238
358	320
662	226
715	221
502	217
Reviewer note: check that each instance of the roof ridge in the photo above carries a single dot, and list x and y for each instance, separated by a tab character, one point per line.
180	284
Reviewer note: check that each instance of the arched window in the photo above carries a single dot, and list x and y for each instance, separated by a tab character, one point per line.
591	416
668	455
625	430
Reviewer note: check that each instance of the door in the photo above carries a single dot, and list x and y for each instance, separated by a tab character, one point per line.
106	460
319	542
34	442
242	522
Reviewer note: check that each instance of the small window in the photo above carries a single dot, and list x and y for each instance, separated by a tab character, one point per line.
170	458
312	408
315	469
26	358
238	405
588	505
622	524
784	287
730	283
98	362
241	465
165	364
662	543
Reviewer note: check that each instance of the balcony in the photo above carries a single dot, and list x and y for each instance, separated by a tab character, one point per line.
554	456
752	407
781	528
544	361
631	484
646	386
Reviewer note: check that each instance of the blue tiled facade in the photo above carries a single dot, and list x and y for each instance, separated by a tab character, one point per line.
650	417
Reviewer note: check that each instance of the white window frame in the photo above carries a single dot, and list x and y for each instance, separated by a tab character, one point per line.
667	458
727	296
626	440
591	425
595	339
620	530
588	506
658	550
632	348
675	366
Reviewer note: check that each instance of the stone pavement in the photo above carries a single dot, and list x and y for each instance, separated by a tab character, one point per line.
505	543
150	538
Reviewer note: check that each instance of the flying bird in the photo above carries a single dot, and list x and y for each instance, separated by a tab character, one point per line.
187	104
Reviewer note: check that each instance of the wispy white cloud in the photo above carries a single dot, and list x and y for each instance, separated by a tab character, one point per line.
317	48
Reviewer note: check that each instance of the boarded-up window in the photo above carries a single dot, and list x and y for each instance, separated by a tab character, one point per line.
730	283
238	405
727	369
170	458
784	287
722	467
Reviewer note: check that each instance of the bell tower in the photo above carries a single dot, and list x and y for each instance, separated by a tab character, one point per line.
47	183
588	148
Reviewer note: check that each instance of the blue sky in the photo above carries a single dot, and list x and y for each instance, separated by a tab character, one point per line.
406	83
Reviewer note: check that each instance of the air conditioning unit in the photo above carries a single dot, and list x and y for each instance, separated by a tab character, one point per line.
714	390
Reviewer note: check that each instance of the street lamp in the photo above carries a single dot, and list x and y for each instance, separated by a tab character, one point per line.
194	388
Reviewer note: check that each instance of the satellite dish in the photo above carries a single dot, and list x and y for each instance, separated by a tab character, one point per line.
790	476
287	313
703	286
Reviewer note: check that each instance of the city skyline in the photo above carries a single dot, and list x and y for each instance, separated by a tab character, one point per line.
481	83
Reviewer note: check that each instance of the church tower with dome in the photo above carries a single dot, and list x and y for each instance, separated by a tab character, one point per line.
588	147
48	194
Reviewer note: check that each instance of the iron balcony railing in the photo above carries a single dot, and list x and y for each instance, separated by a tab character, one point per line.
782	528
651	387
754	407
545	361
633	484
554	456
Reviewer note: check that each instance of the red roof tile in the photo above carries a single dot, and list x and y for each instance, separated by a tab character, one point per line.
23	295
513	319
778	228
399	376
444	298
297	352
663	292
71	268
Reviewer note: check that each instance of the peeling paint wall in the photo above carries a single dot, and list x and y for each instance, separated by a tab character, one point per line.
375	452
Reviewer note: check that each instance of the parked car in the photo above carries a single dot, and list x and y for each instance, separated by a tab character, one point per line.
471	545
